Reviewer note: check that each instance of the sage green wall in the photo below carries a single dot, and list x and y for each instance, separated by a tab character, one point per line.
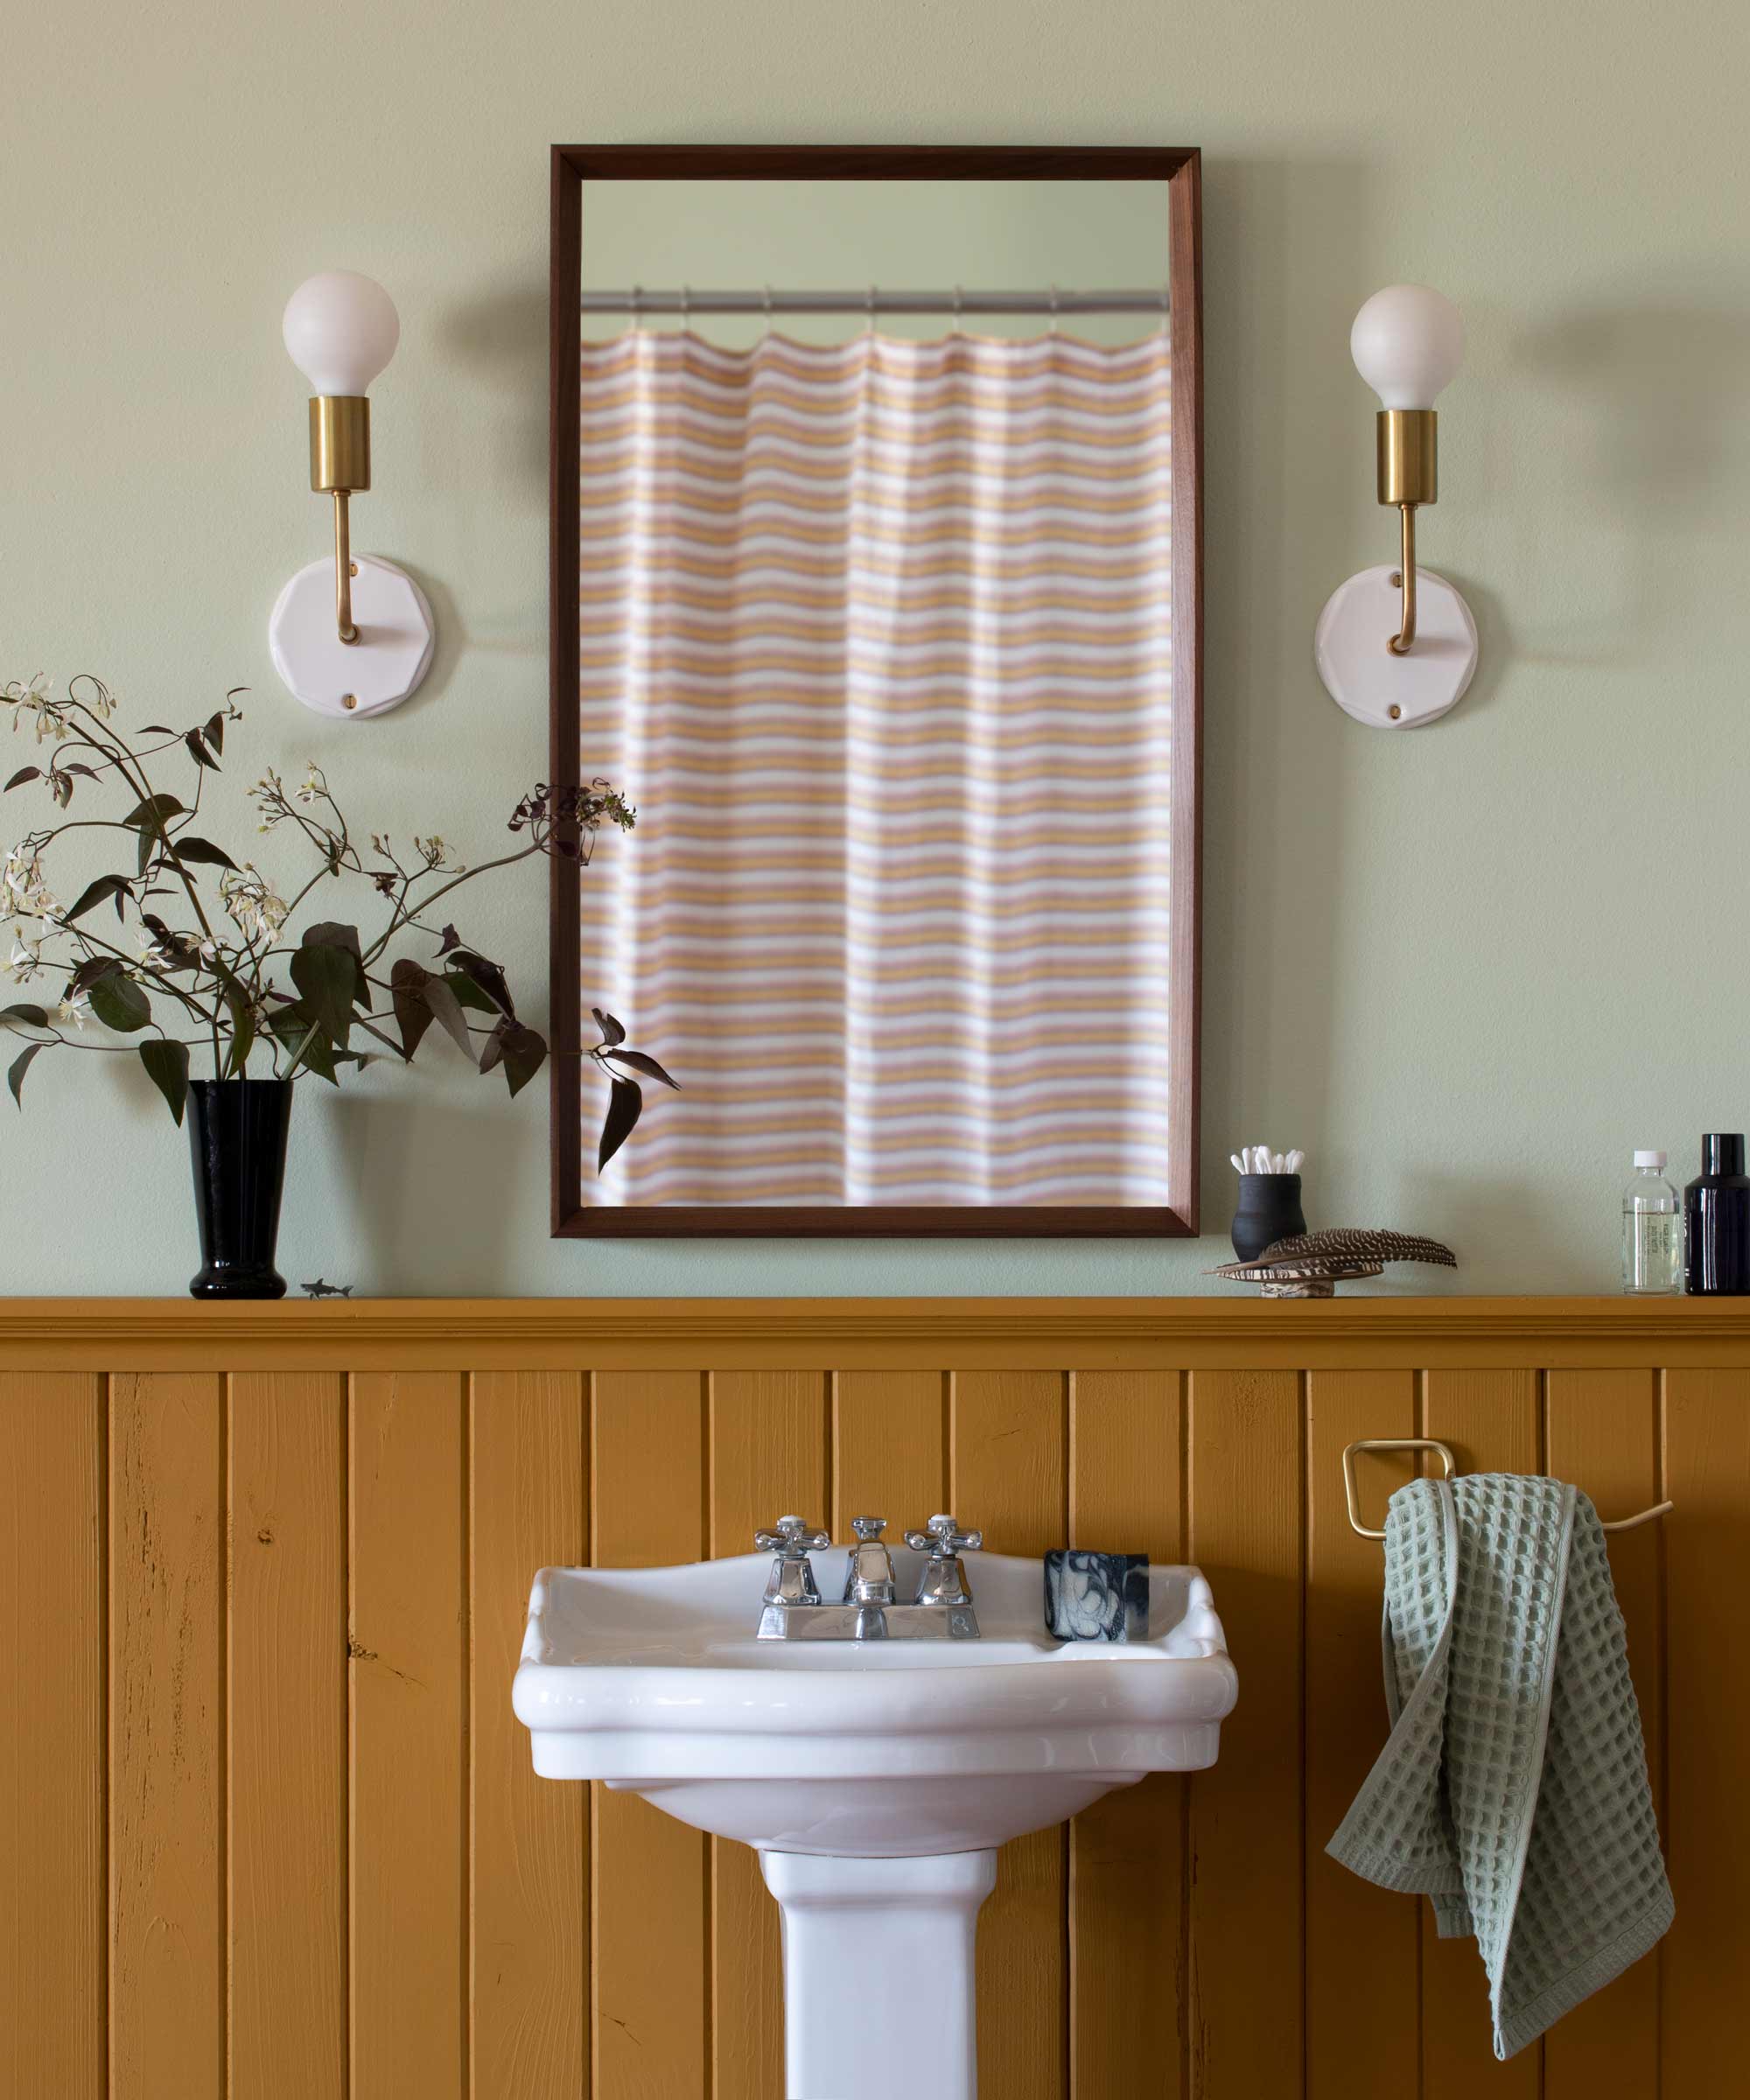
1466	968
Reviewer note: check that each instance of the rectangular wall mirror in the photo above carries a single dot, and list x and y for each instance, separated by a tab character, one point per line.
876	589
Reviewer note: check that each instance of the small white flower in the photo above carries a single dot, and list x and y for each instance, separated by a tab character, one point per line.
75	1008
25	963
252	902
23	894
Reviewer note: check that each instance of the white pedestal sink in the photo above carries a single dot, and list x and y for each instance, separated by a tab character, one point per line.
875	1779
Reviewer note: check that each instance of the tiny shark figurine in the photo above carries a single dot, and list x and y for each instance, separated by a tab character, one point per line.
319	1289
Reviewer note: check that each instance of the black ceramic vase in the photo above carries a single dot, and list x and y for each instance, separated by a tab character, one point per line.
236	1132
1268	1210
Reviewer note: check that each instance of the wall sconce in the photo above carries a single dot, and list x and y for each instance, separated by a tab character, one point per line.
1397	647
355	640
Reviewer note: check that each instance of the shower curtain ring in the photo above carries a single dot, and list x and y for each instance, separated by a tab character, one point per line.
637	309
957	301
1054	309
768	305
869	314
686	307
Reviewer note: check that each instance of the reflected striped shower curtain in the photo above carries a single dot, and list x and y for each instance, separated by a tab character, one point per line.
876	638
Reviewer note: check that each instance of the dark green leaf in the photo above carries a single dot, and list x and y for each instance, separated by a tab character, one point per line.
198	751
407	993
31	1017
302	1034
448	939
23	773
242	1012
447	1012
639	1062
15	1078
626	1099
214	730
520	1050
329	933
90	970
106	885
167	1067
120	1004
157	729
468	994
202	850
525	1052
611	1030
326	977
153	814
377	1035
487	976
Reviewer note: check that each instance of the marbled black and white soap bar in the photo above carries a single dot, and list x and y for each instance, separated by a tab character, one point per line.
1096	1596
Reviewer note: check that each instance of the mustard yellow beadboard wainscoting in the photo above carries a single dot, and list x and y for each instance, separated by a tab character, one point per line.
271	1825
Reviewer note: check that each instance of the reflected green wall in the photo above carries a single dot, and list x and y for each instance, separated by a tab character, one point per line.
1466	968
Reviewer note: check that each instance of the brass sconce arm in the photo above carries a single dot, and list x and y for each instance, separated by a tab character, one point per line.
1401	642
341	466
1408	463
343	569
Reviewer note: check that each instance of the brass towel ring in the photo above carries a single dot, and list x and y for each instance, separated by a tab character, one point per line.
1451	1467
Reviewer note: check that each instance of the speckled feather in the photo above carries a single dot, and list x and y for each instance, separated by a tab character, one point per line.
1344	1244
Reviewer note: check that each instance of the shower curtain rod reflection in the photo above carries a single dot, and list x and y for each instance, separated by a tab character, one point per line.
638	302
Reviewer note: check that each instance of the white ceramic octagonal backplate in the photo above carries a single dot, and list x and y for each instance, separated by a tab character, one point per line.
368	676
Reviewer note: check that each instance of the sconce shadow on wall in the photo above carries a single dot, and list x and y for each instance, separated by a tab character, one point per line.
1397	645
355	639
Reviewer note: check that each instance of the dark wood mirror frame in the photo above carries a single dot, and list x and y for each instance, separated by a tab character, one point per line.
1179	170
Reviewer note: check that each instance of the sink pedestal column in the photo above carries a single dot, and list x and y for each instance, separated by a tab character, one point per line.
878	1972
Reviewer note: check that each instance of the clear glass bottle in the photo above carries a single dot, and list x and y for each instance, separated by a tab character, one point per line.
1652	1232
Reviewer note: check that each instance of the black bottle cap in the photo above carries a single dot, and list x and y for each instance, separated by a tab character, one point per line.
1722	1153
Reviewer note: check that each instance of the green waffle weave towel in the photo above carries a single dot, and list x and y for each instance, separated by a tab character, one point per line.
1513	1786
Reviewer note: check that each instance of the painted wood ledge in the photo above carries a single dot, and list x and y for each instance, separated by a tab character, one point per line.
880	1334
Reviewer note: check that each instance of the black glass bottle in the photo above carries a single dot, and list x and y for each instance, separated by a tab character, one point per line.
1717	1216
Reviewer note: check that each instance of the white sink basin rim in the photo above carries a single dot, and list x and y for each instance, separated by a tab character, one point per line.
651	1679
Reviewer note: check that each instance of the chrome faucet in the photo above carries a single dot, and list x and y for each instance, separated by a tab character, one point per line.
869	1576
943	1579
792	1580
793	1609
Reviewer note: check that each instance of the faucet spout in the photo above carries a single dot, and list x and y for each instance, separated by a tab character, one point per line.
868	1574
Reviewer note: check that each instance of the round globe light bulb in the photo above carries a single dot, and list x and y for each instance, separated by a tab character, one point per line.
1407	343
340	330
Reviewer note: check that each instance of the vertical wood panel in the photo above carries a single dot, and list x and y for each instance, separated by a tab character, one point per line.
286	1685
1129	1943
167	1983
649	1942
52	1921
889	1449
1601	1433
1705	1957
527	1465
408	1644
1491	1420
768	1455
1247	1815
1362	1942
1009	1431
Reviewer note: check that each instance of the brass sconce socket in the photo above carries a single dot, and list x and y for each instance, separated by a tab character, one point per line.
340	444
1409	452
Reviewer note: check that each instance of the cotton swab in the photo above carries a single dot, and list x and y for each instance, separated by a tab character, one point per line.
1259	1159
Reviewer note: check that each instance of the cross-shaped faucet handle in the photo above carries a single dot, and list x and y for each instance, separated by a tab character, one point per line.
794	1537
942	1538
